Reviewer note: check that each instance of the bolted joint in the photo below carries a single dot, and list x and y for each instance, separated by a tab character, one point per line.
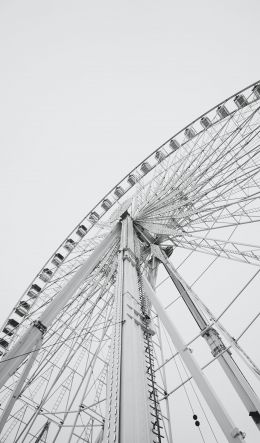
237	433
159	254
39	325
168	250
214	341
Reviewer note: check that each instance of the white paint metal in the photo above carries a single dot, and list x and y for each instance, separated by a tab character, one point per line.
231	432
236	377
33	335
128	408
14	395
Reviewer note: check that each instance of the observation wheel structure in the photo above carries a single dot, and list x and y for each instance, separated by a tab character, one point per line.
142	326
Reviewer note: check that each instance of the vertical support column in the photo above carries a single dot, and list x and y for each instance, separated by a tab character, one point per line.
111	429
213	339
128	416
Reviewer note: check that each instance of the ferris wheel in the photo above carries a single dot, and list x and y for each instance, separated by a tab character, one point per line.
142	325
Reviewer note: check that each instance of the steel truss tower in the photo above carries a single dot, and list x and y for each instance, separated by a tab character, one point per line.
94	349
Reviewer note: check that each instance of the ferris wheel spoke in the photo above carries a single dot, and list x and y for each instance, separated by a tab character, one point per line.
223	214
231	178
241	183
59	392
80	340
226	249
228	187
84	382
225	180
67	325
201	212
222	155
230	175
200	155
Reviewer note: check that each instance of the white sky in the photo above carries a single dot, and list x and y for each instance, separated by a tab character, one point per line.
88	89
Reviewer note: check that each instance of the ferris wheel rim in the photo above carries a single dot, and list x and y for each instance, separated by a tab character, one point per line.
135	169
138	177
95	207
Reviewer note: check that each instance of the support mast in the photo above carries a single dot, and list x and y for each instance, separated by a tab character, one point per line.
215	343
232	433
132	406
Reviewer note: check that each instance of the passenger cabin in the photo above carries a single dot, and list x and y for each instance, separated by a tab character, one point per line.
190	133
93	217
106	204
10	326
119	191
205	122
57	259
45	275
81	231
34	291
3	345
240	101
256	90
132	179
222	111
105	268
22	309
69	244
145	167
160	155
174	144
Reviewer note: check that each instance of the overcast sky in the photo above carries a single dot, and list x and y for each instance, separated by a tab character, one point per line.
88	89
